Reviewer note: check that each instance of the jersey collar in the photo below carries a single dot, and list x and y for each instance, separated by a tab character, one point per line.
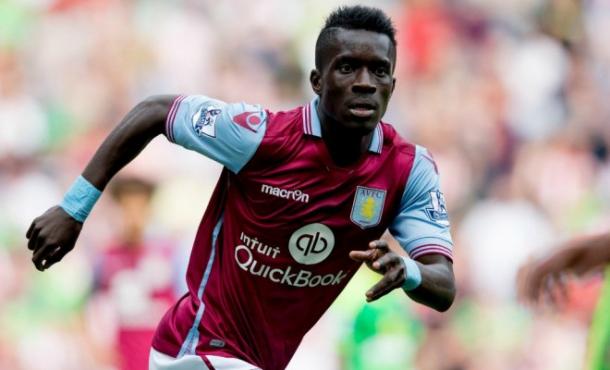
311	126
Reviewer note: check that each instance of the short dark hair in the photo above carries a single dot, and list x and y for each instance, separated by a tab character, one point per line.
354	18
131	185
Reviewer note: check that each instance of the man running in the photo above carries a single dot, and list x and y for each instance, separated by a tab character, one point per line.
303	199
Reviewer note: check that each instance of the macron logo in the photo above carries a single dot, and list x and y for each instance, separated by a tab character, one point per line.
297	195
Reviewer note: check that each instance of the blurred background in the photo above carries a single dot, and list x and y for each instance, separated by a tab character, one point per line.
510	96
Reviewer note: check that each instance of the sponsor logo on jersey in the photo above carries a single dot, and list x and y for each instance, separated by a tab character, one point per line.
367	207
311	244
245	256
261	248
438	210
249	120
297	195
204	121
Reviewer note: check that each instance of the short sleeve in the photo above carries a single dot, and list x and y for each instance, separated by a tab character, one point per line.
227	133
422	224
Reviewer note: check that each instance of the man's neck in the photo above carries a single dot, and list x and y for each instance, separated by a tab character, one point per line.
344	146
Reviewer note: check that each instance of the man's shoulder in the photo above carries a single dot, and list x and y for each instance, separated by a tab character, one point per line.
283	137
393	140
285	122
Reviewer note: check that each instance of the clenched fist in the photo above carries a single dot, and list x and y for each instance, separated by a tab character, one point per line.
51	236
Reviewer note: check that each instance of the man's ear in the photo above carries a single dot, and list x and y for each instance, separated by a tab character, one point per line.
315	78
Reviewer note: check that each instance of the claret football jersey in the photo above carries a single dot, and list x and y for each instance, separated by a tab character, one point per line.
272	251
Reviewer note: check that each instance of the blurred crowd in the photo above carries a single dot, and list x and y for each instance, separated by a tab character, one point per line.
510	97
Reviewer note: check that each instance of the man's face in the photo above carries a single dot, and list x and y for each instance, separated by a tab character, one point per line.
356	78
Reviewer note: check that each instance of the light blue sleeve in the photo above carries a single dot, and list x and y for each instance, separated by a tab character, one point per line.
227	133
422	224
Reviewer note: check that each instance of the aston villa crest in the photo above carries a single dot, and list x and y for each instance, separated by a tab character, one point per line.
367	207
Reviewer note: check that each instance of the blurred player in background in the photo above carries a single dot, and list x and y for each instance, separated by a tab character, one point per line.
544	281
131	274
303	200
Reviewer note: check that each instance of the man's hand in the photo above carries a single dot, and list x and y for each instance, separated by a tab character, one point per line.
379	258
51	236
542	282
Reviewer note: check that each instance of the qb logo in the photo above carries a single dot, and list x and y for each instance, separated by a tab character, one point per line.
311	244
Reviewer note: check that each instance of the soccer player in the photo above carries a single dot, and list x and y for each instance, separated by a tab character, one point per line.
128	257
302	201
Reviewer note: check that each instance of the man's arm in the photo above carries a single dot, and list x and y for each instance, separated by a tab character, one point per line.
544	277
142	124
52	235
422	229
437	288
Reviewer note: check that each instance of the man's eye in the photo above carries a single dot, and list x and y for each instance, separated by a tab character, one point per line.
381	71
345	68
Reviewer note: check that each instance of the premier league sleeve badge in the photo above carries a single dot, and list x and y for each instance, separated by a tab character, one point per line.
204	121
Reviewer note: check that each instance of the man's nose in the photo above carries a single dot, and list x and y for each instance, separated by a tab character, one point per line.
364	82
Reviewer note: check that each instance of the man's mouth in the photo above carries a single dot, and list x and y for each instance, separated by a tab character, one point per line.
362	110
